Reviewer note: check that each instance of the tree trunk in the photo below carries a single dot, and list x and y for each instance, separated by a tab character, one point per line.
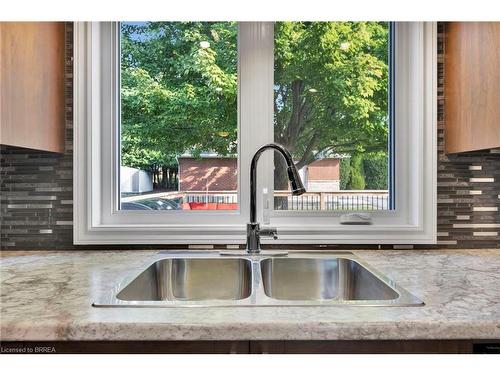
164	177
288	134
174	181
171	182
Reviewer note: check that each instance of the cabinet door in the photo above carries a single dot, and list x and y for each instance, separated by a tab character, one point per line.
360	346
32	85
472	86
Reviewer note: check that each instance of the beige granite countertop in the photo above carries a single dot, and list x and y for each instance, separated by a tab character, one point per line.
48	296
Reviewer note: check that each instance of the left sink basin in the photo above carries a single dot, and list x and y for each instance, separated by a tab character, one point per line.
191	279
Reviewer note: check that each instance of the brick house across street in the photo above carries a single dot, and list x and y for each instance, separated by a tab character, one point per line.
208	173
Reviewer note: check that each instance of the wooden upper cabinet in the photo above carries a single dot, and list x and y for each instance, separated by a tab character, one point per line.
32	85
472	86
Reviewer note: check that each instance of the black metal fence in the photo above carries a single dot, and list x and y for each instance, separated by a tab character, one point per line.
333	201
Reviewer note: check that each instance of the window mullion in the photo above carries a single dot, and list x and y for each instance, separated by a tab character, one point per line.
256	77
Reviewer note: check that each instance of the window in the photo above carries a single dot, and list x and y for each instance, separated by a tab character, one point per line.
194	100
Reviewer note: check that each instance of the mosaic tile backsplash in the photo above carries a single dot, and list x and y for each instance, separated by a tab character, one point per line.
37	188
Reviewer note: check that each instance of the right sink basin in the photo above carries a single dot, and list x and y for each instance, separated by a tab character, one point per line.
317	279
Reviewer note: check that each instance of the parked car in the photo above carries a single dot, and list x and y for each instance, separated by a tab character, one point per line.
134	206
161	204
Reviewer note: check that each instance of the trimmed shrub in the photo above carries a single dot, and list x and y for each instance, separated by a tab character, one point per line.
376	171
357	173
345	173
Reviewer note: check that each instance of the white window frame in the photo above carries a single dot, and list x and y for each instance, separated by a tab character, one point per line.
97	219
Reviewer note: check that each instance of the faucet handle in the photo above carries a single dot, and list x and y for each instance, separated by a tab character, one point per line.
269	232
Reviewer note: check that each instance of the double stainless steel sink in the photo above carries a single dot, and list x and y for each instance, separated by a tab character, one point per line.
297	279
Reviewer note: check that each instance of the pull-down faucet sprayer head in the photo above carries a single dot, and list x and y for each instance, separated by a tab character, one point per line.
295	181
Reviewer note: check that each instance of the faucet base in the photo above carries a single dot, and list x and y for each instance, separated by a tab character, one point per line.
253	238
